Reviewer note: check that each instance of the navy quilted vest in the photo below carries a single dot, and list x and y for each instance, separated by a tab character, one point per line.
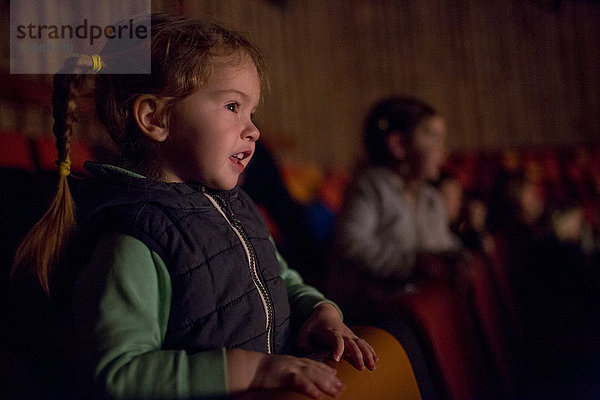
226	288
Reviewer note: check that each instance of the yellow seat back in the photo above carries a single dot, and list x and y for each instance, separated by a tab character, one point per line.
393	378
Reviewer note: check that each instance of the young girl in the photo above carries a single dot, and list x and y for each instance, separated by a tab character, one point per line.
392	223
393	217
178	289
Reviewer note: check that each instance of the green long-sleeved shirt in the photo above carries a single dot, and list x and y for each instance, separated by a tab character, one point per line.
122	301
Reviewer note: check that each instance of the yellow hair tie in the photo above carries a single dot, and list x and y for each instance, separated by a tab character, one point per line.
96	62
64	167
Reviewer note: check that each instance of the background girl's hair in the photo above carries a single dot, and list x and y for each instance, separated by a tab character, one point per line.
395	114
182	52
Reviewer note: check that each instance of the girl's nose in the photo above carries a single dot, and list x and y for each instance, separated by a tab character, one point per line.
251	133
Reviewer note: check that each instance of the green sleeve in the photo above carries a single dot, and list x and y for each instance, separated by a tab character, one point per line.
303	298
121	307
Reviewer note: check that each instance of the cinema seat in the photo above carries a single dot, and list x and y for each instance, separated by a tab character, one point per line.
438	315
393	378
15	152
46	153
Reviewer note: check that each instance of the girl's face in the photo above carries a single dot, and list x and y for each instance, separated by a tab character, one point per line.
211	133
428	148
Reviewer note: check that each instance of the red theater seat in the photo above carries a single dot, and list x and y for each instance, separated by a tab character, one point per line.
15	152
45	148
493	325
436	310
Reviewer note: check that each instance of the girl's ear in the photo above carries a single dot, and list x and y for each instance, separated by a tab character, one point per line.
151	121
396	145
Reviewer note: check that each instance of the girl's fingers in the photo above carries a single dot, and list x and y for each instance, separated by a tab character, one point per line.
355	353
319	378
338	348
331	387
369	356
308	388
361	353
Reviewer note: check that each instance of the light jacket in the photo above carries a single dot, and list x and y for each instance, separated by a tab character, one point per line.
379	232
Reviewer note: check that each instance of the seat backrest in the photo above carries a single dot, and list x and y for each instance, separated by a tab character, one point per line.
393	378
46	153
436	311
15	152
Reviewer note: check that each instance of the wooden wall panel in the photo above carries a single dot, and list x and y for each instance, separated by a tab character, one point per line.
503	73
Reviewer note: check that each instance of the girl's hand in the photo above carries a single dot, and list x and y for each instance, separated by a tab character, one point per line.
253	370
310	377
325	327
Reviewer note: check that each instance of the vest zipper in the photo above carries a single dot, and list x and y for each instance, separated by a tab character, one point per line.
221	205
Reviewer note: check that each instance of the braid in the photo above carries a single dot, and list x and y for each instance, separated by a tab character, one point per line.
63	113
41	248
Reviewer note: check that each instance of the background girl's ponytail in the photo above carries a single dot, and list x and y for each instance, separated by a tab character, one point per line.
40	250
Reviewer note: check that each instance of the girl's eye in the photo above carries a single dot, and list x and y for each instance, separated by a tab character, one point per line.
233	107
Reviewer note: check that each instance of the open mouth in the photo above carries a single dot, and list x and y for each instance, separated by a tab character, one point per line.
239	157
